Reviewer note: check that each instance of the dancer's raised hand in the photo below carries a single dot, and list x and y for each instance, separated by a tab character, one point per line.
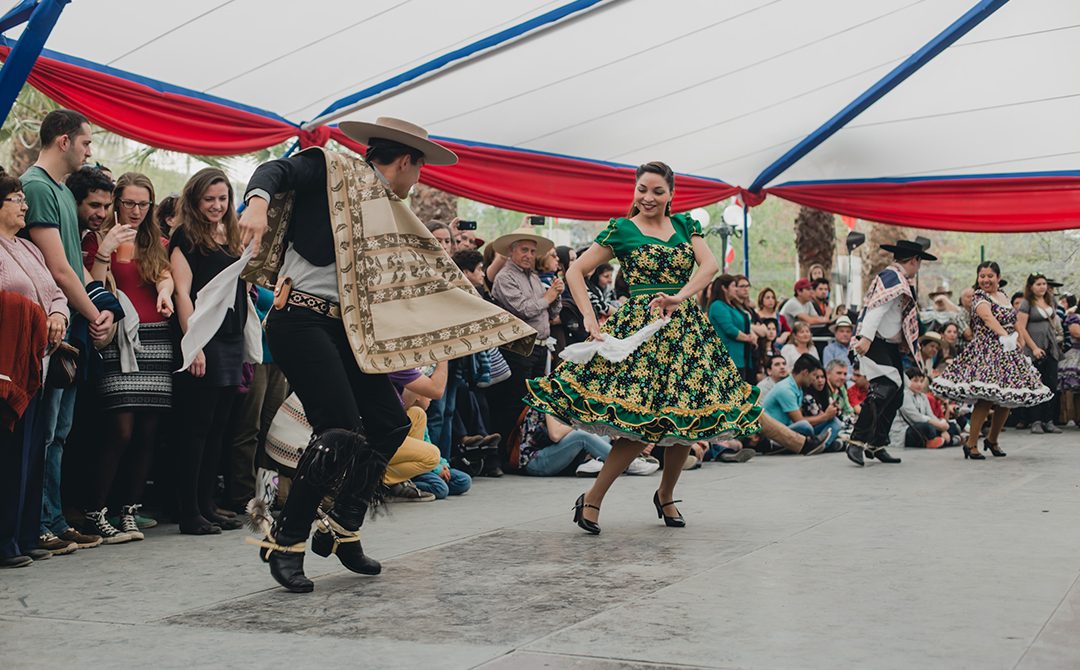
253	223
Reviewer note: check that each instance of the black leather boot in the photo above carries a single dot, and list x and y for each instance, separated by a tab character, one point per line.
286	558
855	453
882	455
332	537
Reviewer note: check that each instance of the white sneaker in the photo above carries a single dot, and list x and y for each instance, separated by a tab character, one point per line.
589	468
642	466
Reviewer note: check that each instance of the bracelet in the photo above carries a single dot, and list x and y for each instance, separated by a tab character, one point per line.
103	260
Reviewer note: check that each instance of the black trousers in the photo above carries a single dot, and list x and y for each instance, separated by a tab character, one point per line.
22	469
883	400
1047	411
313	352
200	416
507	399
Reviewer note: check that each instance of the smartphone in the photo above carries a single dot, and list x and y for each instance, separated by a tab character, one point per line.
536	220
466	225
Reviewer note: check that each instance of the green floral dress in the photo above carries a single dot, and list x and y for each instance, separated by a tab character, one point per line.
680	386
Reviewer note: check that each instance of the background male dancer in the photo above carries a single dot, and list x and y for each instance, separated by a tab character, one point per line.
888	328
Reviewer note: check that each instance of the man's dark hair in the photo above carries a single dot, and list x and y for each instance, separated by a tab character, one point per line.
385	152
58	123
818	282
1018	294
468	260
87	179
805	363
772	359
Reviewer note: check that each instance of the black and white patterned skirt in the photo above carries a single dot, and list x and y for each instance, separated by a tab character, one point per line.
151	386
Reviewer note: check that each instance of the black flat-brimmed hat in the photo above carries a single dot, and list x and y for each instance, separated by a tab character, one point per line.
908	249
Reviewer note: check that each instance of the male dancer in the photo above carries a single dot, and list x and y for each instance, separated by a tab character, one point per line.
888	328
362	289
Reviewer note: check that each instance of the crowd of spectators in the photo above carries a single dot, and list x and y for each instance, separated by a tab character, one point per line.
99	277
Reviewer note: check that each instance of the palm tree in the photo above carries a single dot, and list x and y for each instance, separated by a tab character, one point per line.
815	238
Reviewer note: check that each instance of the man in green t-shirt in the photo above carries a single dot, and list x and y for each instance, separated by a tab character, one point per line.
52	225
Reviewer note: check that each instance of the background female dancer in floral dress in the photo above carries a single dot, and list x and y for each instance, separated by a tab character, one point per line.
992	371
680	386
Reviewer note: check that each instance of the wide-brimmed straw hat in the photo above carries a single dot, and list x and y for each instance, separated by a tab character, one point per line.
908	249
841	322
930	336
402	132
502	244
940	290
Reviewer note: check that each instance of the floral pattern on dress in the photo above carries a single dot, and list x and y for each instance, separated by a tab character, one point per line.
680	386
985	371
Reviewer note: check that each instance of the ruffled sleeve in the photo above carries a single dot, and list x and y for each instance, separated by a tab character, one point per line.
610	237
689	225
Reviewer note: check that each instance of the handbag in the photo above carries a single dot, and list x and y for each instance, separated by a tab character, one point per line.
63	367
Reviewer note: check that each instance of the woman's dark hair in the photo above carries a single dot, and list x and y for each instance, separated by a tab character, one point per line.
992	265
58	123
385	152
622	286
658	168
87	179
9	185
594	278
1029	292
199	230
165	210
720	286
761	298
564	257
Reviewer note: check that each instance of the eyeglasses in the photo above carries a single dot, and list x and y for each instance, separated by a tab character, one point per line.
18	200
135	204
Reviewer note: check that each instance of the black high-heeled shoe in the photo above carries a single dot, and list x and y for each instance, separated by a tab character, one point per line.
671	521
581	521
993	448
973	453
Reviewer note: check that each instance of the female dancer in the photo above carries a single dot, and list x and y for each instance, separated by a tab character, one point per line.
680	386
991	371
205	242
1038	324
134	396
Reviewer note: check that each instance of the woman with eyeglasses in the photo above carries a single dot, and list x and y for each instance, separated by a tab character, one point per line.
135	390
991	372
1040	328
33	320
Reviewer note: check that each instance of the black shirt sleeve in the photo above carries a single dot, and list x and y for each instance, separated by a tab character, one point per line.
302	172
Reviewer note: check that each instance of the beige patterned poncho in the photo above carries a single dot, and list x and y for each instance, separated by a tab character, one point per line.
404	302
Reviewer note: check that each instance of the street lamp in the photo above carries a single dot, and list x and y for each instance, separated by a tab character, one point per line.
735	223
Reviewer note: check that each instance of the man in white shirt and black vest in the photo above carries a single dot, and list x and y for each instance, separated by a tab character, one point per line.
888	328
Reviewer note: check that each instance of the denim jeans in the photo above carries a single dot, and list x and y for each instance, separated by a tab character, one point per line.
459	483
58	406
554	458
441	412
804	428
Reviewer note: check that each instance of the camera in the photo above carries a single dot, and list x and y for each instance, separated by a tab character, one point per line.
536	220
466	225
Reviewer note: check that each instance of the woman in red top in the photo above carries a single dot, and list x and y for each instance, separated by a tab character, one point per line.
136	386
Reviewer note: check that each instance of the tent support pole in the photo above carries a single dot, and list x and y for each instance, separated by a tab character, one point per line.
26	51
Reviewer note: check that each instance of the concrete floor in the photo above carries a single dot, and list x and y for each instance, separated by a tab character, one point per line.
787	562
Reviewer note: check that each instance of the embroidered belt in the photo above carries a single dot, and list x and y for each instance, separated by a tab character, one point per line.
649	289
314	303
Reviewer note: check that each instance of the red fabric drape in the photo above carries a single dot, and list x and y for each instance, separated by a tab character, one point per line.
998	205
549	185
163	120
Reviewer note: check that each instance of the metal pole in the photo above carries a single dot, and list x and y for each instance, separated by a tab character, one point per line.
724	232
746	240
25	53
